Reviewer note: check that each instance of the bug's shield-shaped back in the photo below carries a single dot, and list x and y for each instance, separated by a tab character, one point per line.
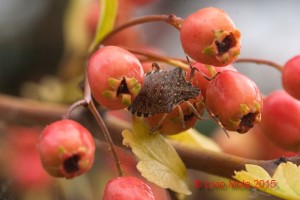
161	92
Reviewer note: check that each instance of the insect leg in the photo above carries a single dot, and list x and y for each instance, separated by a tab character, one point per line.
181	116
155	68
194	110
158	125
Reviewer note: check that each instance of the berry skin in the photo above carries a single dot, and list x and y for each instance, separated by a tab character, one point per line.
291	77
280	120
21	158
209	71
66	149
173	123
115	76
209	36
235	100
127	187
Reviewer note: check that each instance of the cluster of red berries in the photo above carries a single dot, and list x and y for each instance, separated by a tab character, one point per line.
118	80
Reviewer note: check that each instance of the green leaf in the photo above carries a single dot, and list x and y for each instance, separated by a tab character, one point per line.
285	182
106	22
158	161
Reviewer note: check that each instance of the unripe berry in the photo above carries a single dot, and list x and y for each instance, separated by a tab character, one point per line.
173	124
209	36
66	149
209	71
291	77
115	76
235	100
281	120
127	187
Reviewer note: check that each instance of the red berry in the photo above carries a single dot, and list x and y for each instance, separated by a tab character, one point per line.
207	70
66	149
141	2
281	120
235	100
127	187
172	124
22	161
291	77
115	76
209	36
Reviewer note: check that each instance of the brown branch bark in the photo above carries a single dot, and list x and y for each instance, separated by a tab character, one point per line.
22	111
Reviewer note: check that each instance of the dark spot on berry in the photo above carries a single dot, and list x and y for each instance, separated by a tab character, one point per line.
123	89
71	164
247	122
187	117
227	43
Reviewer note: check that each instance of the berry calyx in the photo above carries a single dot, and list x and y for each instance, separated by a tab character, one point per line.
280	120
127	187
235	100
291	77
209	36
66	149
115	76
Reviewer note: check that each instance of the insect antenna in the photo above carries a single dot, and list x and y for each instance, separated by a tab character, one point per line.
193	69
216	120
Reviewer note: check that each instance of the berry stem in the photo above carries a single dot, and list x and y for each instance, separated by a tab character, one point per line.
169	19
101	123
260	61
169	60
73	106
108	139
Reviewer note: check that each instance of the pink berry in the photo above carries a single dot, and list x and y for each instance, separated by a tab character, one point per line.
291	77
127	187
209	71
172	124
115	76
235	100
22	163
281	120
66	149
209	36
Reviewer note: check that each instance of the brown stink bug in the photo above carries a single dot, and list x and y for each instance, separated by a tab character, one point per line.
162	91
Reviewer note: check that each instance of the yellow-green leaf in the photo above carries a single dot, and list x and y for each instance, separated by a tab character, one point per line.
158	161
285	183
106	22
192	138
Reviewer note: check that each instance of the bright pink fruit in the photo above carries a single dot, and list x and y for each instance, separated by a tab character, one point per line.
291	77
21	158
207	70
115	76
281	120
209	36
235	100
66	149
127	187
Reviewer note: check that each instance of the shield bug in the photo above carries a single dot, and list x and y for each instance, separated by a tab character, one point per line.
162	91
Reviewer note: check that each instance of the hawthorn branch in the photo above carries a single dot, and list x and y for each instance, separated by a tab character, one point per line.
23	111
260	61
